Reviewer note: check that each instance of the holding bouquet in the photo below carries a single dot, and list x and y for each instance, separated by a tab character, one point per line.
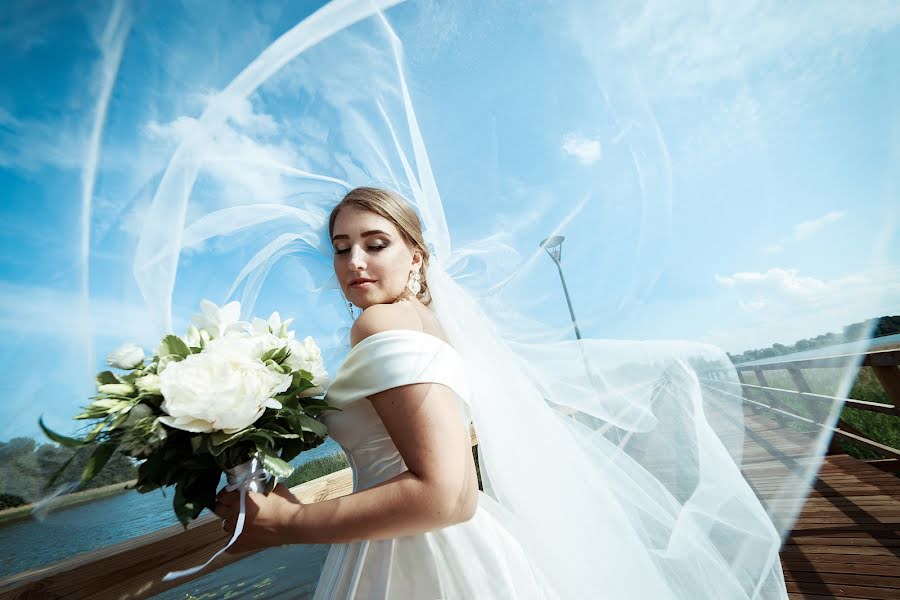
231	396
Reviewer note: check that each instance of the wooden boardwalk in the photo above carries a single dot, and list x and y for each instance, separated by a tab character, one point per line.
846	541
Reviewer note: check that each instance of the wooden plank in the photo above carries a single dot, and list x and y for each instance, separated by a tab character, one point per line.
804	571
880	580
848	591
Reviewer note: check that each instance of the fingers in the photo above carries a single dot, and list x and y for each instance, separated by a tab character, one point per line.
283	491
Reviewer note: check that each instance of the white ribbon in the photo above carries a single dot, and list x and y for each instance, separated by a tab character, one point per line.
244	481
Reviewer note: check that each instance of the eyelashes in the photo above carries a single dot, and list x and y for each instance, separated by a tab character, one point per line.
372	248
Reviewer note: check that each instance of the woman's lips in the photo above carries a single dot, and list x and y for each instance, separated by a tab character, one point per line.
361	285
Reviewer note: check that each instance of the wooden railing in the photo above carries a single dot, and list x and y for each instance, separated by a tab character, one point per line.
884	364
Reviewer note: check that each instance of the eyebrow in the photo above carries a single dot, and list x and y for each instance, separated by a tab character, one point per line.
364	234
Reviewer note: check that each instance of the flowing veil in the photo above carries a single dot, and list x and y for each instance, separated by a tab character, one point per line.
631	464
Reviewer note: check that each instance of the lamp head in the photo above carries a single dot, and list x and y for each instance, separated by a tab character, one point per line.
553	246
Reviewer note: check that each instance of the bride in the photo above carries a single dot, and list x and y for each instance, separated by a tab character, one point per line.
596	520
417	525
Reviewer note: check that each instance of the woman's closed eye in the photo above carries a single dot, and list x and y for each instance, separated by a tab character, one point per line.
372	248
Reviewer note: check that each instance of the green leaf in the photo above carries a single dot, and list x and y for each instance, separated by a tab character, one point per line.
63	440
202	489
275	465
59	472
307	423
97	461
300	375
172	345
120	420
105	377
92	436
262	438
186	509
281	353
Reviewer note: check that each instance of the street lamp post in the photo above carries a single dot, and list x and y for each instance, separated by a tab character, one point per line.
553	246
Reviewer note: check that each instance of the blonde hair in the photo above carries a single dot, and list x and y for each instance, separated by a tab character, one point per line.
392	207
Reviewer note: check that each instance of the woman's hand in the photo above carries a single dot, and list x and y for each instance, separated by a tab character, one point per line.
267	517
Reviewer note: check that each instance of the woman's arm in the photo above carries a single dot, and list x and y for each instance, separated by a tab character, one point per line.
440	487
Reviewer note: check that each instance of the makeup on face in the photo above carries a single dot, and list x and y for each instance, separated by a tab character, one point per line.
371	261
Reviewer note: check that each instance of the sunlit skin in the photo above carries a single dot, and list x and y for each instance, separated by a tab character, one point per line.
368	246
440	487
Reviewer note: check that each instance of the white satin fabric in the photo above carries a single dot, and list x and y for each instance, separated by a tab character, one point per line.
480	558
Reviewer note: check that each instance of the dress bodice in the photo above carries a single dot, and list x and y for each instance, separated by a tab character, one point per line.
380	362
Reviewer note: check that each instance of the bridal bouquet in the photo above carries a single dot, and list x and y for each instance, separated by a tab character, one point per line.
233	396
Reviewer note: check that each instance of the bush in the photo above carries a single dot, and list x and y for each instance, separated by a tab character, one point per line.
11	501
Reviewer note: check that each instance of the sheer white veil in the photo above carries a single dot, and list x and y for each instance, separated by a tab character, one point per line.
620	466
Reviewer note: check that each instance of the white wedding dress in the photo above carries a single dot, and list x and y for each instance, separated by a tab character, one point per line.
479	558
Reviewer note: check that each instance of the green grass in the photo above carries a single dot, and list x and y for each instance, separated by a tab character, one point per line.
317	468
882	428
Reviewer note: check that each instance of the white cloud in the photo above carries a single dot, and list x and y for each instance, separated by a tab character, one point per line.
782	305
586	150
685	44
786	296
778	281
803	231
244	140
30	144
807	229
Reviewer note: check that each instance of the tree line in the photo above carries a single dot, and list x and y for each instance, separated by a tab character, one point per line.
26	467
879	327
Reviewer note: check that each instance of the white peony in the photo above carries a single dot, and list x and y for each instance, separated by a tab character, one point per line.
307	356
244	346
126	356
219	390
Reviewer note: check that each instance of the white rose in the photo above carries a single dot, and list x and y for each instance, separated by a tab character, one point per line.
214	391
307	356
148	383
119	389
126	356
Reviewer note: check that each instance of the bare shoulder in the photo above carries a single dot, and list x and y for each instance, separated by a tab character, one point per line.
384	317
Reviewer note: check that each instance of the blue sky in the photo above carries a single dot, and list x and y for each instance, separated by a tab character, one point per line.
725	174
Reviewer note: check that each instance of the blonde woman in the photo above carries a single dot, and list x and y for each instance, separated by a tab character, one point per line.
416	525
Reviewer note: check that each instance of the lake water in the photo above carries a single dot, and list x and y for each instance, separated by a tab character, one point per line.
60	534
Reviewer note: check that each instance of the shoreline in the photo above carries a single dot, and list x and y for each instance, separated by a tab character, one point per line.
19	513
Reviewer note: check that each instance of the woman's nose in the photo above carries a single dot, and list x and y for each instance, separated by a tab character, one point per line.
357	259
